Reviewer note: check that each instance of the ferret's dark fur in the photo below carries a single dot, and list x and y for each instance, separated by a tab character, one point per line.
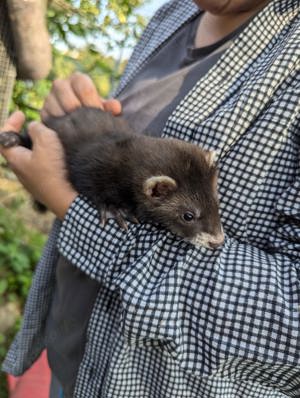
167	181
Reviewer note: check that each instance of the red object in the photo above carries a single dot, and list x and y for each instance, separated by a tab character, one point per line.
34	383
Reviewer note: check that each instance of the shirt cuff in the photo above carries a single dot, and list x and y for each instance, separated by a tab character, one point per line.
85	243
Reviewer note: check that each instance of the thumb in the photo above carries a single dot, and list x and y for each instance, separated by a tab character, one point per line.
14	122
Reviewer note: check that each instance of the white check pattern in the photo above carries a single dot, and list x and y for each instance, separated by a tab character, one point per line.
174	321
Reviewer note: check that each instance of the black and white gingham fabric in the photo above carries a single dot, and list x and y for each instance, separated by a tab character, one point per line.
175	321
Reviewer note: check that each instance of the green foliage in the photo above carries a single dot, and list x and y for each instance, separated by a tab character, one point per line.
20	248
29	96
91	36
94	20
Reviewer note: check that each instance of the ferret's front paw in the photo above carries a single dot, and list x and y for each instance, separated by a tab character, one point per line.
106	212
129	216
9	139
120	215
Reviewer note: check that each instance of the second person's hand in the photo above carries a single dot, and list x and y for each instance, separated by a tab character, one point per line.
73	92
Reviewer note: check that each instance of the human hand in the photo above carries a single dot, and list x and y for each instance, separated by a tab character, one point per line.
73	92
40	170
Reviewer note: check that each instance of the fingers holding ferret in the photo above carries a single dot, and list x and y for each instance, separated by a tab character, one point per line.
73	92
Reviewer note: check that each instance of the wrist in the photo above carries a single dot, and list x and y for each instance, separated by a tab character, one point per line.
61	203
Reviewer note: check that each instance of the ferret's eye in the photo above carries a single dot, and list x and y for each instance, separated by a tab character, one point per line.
188	216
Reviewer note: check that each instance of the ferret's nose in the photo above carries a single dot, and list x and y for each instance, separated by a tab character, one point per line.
216	241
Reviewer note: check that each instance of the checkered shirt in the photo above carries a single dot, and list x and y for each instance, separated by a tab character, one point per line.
172	320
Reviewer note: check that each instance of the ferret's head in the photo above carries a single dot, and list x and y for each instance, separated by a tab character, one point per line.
185	198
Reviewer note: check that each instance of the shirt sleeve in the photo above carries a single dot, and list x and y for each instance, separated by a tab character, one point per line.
239	301
102	252
85	243
286	236
94	249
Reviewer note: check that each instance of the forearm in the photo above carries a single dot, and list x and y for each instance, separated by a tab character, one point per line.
60	202
86	244
90	246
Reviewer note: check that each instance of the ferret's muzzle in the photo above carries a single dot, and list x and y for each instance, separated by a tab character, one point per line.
208	240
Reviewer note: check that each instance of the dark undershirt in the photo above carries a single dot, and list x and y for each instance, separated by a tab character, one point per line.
164	81
147	102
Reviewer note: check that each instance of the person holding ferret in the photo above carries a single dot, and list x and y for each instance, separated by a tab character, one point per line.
140	312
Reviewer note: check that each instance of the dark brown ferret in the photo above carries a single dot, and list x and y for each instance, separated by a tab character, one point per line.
134	176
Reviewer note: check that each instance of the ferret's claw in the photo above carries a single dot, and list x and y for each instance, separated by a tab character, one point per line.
103	215
130	217
9	139
119	217
135	220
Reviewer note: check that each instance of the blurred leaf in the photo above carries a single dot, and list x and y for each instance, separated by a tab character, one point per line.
3	286
84	33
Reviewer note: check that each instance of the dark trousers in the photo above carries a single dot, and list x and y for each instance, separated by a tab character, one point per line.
55	388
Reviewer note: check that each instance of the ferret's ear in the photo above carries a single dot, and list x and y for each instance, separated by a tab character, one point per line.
211	157
159	187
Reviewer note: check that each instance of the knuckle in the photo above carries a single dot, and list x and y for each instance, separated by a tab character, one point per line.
11	160
56	83
77	75
45	136
35	131
71	103
33	126
87	91
46	104
44	113
78	78
59	84
84	83
46	133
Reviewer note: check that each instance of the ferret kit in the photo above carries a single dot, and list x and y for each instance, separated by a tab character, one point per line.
137	177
